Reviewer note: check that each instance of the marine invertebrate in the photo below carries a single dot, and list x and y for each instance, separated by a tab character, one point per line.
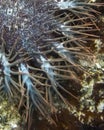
56	37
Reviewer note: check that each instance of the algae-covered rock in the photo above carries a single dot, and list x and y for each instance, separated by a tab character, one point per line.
9	116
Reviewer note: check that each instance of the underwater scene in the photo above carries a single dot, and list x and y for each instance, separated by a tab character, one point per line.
51	64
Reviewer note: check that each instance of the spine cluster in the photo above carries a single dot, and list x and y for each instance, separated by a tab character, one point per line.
44	46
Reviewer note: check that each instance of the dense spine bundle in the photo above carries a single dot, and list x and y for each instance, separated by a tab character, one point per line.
45	45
